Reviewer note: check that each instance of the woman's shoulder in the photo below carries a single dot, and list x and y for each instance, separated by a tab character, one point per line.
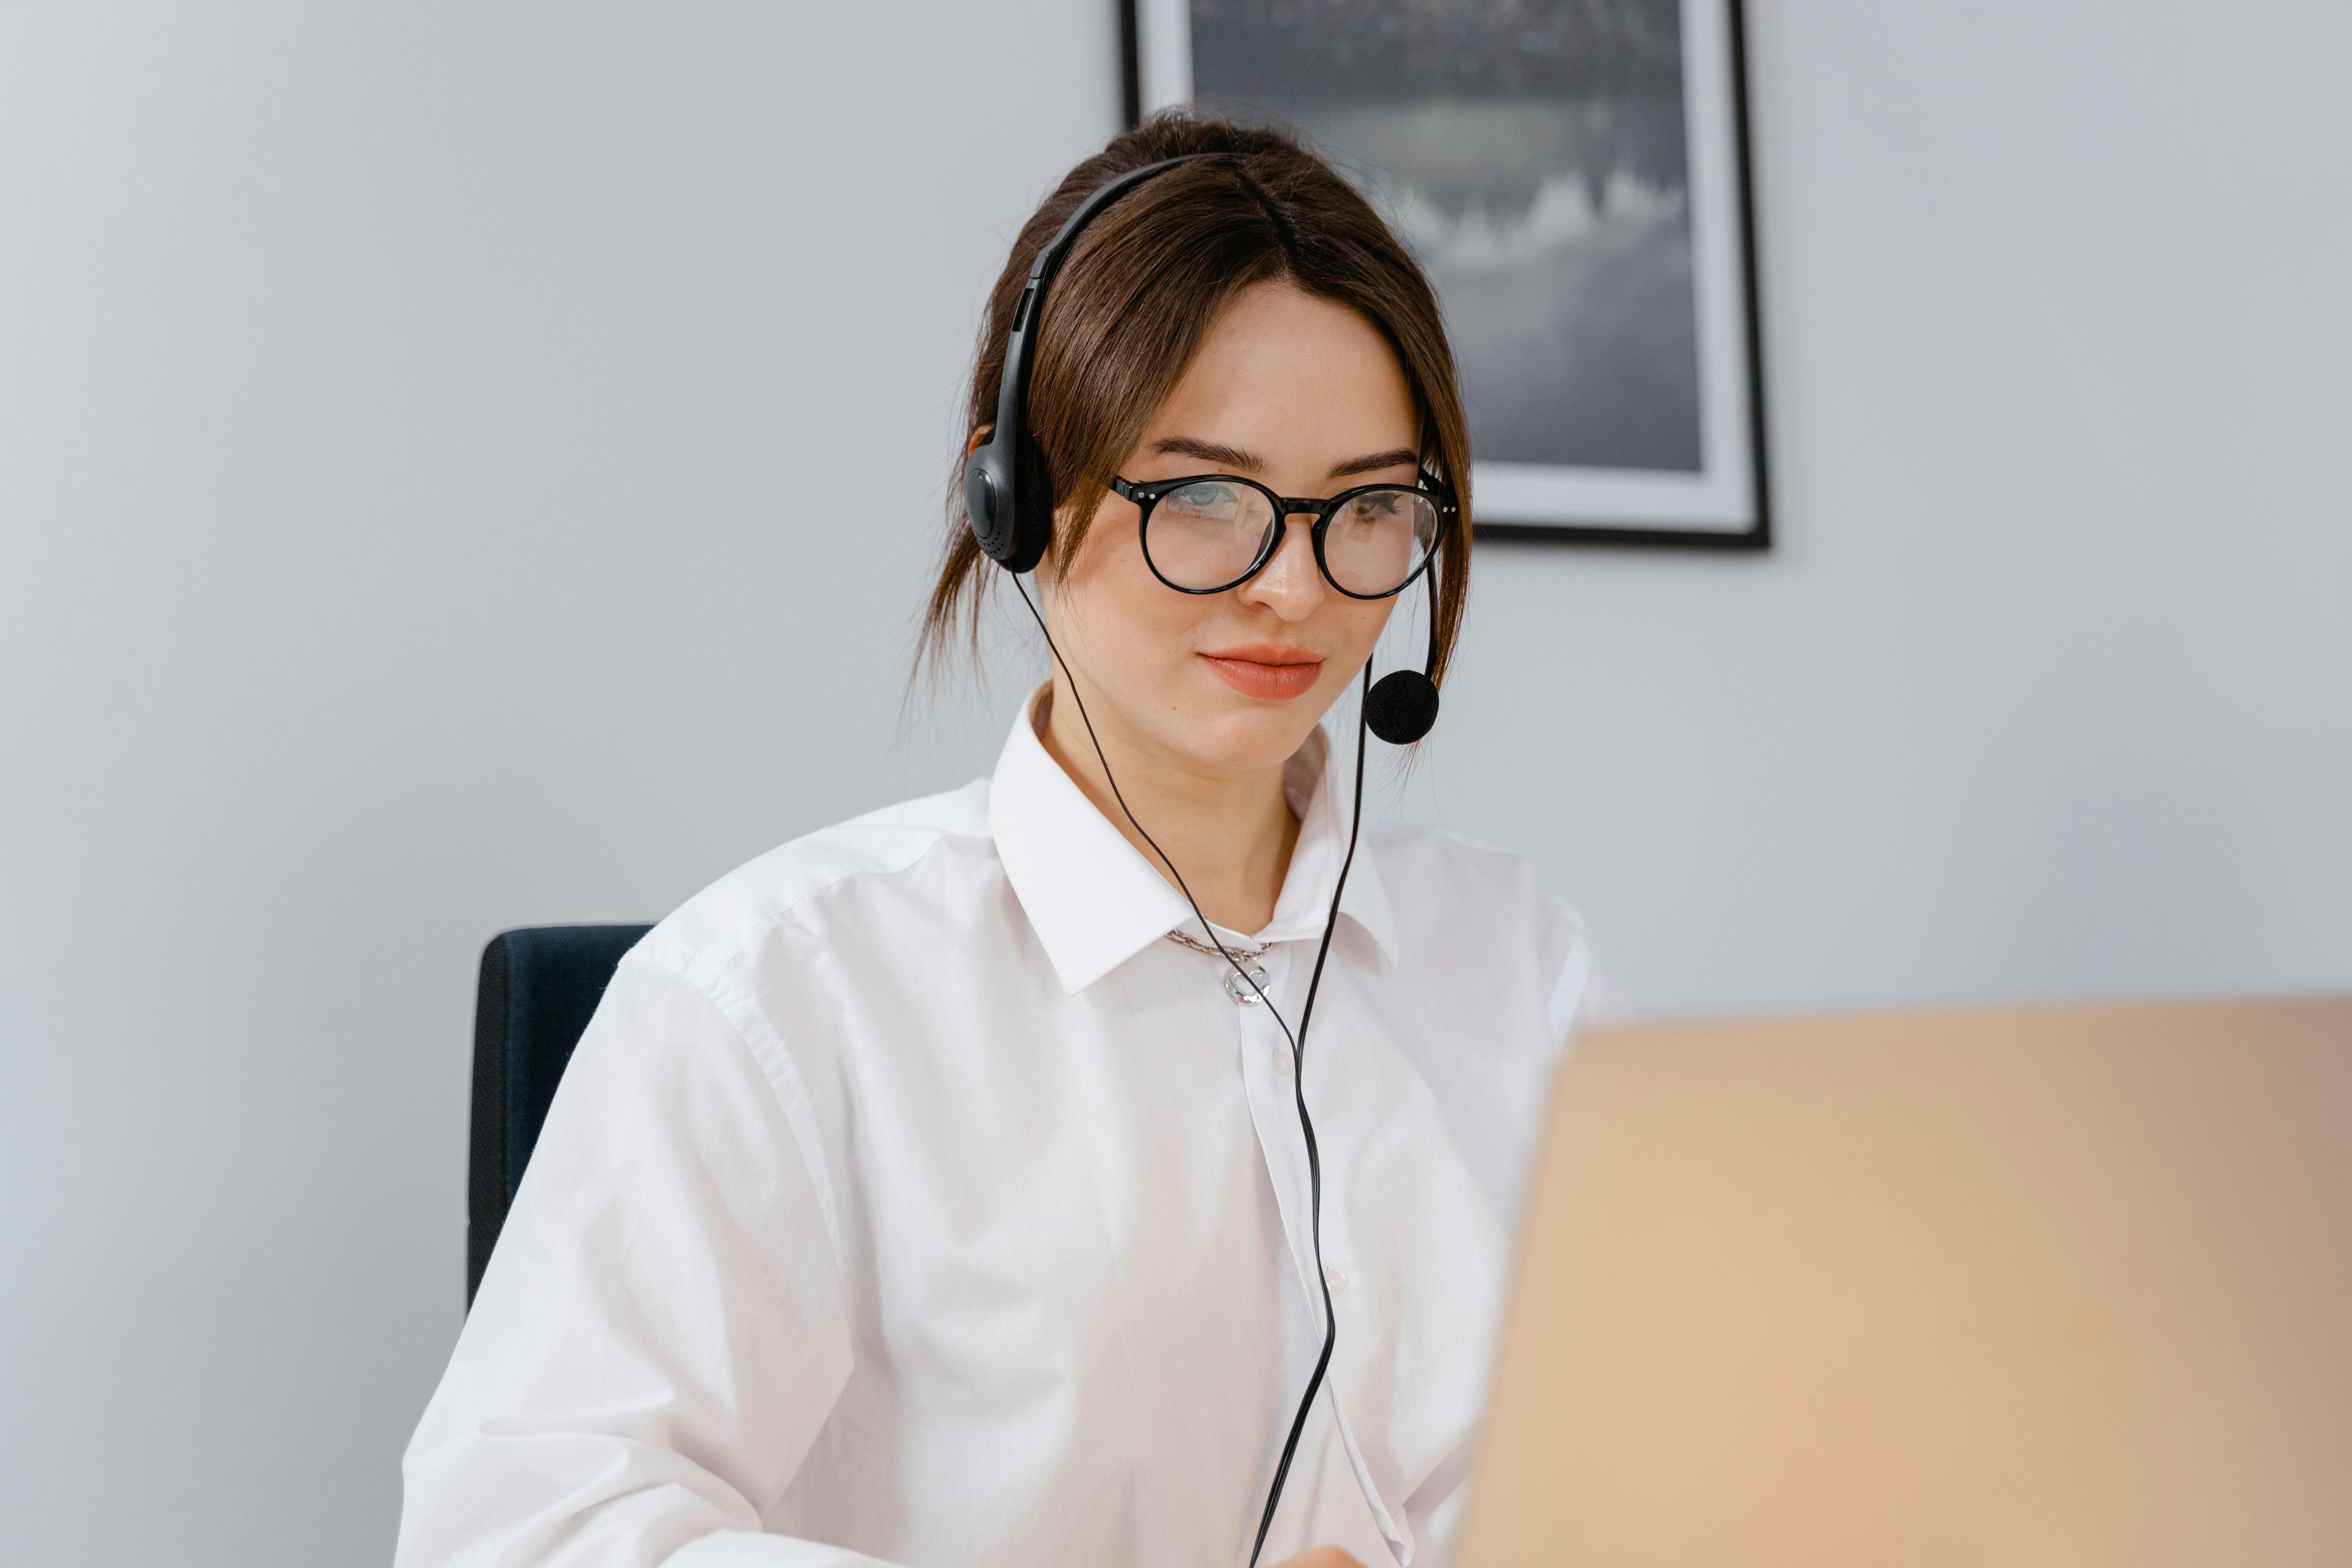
1462	907
873	860
1451	876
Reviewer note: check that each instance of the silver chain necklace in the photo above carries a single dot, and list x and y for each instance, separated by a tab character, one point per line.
1246	955
1243	994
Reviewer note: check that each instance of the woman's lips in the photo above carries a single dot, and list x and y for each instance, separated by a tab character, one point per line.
1275	674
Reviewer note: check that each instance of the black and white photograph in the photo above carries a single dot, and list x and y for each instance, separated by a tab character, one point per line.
1572	175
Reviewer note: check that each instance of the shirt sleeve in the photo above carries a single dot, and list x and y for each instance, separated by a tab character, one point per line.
1585	996
662	1329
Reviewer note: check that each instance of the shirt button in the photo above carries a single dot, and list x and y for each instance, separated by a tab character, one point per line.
1337	1278
1282	1061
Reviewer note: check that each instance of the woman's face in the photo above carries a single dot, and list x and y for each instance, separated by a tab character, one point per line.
1306	397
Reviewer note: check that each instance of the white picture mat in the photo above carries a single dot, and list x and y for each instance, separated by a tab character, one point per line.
1721	497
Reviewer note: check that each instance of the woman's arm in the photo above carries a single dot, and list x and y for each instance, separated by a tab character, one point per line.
662	1330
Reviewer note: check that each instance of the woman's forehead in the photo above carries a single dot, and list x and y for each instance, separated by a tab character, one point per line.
1286	378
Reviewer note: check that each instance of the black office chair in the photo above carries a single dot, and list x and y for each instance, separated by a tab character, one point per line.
540	986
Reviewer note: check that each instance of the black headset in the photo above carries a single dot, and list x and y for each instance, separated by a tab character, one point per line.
1008	495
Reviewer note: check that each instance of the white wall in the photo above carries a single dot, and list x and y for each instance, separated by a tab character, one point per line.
466	467
2048	691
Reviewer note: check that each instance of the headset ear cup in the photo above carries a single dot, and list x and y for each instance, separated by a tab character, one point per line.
1401	707
987	501
1031	510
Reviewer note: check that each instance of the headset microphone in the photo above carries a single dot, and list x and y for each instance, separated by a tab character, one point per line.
1401	708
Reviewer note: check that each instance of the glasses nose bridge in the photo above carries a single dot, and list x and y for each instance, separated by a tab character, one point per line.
1288	507
1285	508
1278	533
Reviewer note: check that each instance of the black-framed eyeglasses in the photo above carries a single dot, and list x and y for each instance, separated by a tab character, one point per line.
1214	531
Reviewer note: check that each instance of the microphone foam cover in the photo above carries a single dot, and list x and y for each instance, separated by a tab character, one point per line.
1401	707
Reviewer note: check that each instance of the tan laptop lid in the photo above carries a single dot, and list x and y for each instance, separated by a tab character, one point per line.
2059	1287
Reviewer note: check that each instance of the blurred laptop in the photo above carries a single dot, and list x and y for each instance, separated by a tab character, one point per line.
2069	1286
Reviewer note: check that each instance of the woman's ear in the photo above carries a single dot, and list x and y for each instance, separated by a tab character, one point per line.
977	437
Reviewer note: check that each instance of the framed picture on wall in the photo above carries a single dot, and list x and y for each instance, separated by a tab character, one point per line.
1573	174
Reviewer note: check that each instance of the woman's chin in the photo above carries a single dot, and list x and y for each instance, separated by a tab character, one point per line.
1255	738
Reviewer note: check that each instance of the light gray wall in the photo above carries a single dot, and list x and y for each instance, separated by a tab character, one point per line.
465	467
2048	691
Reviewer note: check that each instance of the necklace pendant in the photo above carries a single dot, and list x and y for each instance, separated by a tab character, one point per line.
1239	990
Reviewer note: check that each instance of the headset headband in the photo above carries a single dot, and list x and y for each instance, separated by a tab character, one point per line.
1008	496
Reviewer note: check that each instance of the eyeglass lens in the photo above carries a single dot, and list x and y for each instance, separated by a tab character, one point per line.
1208	534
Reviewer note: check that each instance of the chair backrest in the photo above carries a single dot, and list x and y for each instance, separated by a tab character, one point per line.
540	986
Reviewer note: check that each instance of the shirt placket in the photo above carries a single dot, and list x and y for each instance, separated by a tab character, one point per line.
1268	1079
1266	1075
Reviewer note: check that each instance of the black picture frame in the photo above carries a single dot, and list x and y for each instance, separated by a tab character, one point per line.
1735	429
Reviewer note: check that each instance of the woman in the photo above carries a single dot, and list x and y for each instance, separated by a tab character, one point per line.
935	1189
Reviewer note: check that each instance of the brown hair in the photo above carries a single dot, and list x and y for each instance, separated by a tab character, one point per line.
1138	294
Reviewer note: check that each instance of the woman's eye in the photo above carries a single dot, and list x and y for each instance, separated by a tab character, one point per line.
1204	502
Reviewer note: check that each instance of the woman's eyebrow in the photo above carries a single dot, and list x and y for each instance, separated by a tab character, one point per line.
1236	460
1401	457
1232	458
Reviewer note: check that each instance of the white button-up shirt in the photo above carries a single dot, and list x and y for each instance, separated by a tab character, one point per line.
911	1199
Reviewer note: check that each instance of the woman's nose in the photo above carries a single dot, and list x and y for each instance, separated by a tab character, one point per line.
1292	585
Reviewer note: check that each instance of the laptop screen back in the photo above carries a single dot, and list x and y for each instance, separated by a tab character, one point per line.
2066	1286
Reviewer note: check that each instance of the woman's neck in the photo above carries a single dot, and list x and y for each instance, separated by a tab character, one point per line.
1230	834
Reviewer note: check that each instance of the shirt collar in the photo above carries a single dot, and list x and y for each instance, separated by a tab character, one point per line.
1096	901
